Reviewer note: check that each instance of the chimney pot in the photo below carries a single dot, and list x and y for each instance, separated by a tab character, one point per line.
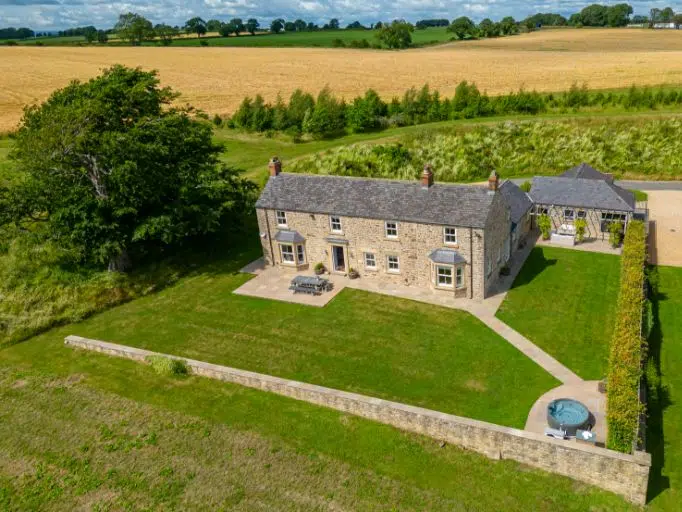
493	182
275	166
427	176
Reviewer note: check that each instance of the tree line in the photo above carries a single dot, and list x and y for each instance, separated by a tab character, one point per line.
327	116
135	28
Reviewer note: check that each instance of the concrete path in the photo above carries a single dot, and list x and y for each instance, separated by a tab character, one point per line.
530	350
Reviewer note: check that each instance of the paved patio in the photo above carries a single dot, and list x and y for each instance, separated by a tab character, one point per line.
588	245
585	392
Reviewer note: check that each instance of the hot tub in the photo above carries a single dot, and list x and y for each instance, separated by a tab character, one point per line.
568	415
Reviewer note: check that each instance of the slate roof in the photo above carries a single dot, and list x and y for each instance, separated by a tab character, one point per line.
446	256
581	193
442	204
586	171
518	201
289	236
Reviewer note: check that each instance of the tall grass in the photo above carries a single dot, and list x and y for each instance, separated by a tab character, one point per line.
650	148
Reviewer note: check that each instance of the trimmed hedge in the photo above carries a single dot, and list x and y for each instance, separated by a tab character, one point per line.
626	351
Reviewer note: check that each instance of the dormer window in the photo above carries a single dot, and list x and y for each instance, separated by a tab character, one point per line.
282	219
335	224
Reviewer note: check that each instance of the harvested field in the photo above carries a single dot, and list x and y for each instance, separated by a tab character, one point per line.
547	61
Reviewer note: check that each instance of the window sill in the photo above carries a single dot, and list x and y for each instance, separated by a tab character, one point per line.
453	245
371	269
393	272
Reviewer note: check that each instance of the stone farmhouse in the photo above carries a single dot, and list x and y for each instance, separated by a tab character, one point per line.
452	238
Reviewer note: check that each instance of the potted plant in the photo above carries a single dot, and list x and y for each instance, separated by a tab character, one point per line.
545	225
580	226
320	269
353	274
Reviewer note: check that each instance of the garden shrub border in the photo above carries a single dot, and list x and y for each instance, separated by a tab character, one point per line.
627	349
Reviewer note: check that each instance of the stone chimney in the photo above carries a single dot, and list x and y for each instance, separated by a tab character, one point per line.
275	166
493	182
427	176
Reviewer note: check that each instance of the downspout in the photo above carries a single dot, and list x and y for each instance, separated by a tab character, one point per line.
471	263
267	224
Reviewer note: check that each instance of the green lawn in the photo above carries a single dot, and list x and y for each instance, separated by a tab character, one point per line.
366	343
564	301
664	435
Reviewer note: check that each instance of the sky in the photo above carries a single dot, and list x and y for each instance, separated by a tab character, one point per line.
60	14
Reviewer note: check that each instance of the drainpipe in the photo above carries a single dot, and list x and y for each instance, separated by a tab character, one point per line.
471	263
267	224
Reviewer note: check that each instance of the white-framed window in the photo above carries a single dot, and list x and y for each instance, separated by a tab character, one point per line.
444	276
335	224
582	214
613	216
393	263
391	229
542	211
300	254
281	218
450	235
459	277
569	214
287	252
370	260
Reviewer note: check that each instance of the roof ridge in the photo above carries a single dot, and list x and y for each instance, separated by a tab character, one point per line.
385	180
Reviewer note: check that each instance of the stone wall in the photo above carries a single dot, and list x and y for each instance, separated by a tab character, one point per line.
413	246
620	473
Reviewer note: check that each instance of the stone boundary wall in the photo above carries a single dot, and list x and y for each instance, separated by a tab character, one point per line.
623	474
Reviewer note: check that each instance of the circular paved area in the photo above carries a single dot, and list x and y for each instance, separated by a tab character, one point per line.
585	392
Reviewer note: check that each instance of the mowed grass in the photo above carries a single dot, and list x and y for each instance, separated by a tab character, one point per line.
664	433
80	430
372	344
207	77
564	301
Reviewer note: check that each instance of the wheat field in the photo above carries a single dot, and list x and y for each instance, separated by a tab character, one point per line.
216	79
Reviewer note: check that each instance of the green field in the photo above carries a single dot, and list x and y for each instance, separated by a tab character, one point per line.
664	433
320	38
83	430
360	342
565	302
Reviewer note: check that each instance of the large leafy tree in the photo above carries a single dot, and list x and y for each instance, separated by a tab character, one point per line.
113	170
463	28
196	26
397	35
252	25
134	28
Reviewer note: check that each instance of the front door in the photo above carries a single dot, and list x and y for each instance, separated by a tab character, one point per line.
339	258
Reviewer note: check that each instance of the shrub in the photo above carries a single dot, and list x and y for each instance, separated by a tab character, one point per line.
320	268
166	366
626	351
545	225
615	233
338	43
217	120
525	186
203	43
580	226
11	43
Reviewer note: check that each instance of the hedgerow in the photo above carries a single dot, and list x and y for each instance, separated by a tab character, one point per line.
627	346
